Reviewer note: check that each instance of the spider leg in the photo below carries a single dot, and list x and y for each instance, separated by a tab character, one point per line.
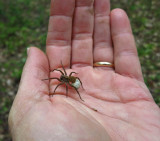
57	87
76	91
52	78
78	94
63	68
72	73
80	81
66	90
59	71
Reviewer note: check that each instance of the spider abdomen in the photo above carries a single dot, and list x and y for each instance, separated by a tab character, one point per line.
72	79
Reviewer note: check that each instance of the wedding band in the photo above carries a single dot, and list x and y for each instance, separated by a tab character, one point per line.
103	64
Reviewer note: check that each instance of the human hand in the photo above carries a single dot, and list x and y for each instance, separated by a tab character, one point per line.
118	105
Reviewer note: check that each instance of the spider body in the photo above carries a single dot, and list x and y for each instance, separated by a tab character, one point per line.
70	80
66	78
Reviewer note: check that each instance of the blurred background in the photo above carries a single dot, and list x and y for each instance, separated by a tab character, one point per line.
23	23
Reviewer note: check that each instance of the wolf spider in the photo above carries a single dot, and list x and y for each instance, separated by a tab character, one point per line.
70	80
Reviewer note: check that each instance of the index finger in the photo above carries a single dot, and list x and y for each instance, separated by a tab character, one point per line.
59	33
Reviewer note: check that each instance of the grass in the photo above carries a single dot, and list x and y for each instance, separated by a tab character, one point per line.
24	23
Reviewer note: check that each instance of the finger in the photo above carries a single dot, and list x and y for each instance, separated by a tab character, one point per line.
59	33
125	53
32	89
35	69
82	42
103	51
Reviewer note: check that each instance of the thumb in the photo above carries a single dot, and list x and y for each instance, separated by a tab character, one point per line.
35	69
31	89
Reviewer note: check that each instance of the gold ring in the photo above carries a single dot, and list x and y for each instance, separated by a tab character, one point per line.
103	64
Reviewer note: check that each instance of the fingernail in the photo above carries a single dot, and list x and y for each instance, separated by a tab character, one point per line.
28	48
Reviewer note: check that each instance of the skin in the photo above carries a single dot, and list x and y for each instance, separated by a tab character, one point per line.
118	106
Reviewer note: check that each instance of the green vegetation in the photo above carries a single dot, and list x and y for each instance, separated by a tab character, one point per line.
23	23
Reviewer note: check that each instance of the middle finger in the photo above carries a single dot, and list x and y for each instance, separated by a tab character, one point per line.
82	42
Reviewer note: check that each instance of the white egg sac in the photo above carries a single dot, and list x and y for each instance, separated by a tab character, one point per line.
76	84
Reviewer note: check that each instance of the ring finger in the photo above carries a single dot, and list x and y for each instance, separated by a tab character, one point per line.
103	50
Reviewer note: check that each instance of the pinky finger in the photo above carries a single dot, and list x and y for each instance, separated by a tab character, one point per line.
125	53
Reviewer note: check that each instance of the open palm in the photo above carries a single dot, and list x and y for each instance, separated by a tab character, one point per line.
117	104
